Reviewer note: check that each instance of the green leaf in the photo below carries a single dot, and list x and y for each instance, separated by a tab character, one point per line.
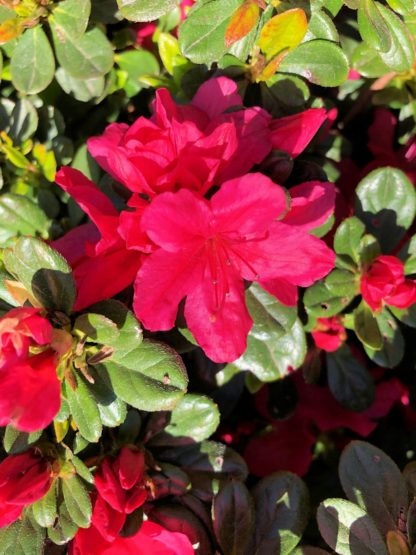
330	296
83	90
19	215
195	416
97	328
386	203
32	64
348	236
77	501
113	410
282	512
84	409
366	327
367	61
392	350
23	537
349	381
43	271
233	518
45	509
372	480
24	121
145	10
372	26
130	333
406	315
402	7
15	441
201	35
151	377
71	17
348	530
137	63
321	27
321	62
401	56
89	56
283	31
276	341
64	528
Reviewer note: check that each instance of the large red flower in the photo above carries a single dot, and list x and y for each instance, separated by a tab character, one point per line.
30	389
24	479
151	539
203	144
207	249
384	282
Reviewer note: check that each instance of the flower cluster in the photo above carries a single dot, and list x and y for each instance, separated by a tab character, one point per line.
184	242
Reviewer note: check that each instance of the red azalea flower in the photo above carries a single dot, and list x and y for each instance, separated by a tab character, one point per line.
201	144
24	479
30	389
329	333
208	248
384	282
151	539
120	490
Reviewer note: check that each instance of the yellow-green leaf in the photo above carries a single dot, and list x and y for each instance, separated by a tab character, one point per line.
242	22
283	31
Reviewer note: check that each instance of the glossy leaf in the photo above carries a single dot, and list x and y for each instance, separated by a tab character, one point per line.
151	377
348	236
77	501
32	64
20	216
330	296
233	518
144	10
372	26
283	32
347	529
71	16
386	203
366	327
45	509
201	35
23	537
349	381
321	62
84	410
195	416
401	55
372	480
43	272
392	350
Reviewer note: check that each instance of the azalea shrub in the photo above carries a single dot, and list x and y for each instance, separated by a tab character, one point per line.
207	277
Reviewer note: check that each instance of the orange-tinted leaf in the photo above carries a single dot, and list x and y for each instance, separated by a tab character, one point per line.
242	22
10	29
283	31
272	66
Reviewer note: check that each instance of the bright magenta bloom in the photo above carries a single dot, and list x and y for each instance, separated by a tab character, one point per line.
30	389
199	145
384	282
24	479
208	248
329	333
121	490
151	539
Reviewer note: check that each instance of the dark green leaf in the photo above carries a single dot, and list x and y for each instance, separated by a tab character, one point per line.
89	56
145	10
282	512
113	410
348	236
43	271
151	377
392	350
372	480
321	62
77	501
24	121
401	55
348	530
84	410
372	26
330	296
233	518
386	203
366	327
349	381
32	64
201	35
